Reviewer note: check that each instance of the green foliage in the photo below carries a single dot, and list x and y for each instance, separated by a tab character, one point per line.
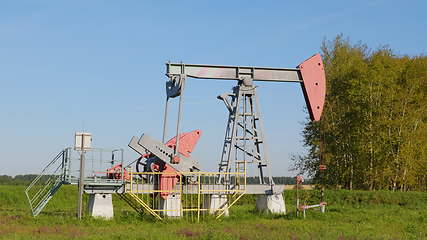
373	132
19	179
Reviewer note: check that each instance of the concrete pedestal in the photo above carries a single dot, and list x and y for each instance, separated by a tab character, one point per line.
214	202
173	206
323	208
272	203
101	205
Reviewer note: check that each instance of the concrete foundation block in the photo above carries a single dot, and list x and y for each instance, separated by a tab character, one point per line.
101	205
172	205
214	202
271	203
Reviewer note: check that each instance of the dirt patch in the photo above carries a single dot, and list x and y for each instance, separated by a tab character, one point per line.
262	226
4	219
7	230
69	232
235	233
293	236
188	233
346	238
15	217
74	232
47	230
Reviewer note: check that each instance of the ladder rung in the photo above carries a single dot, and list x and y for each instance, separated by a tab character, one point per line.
248	114
242	138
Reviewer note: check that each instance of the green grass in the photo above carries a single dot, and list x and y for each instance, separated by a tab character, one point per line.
350	215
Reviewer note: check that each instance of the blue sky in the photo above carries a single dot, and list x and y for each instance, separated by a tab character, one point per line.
99	65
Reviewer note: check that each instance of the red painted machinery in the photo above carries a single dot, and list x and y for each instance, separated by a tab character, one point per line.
117	172
167	181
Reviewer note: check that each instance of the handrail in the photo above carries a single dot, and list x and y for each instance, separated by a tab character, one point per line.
54	178
44	169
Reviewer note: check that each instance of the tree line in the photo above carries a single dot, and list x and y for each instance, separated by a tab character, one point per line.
17	180
373	132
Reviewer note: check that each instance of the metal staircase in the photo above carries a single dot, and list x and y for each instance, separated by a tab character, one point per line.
48	182
132	201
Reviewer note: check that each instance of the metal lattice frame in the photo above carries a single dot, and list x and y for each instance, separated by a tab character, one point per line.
244	136
193	189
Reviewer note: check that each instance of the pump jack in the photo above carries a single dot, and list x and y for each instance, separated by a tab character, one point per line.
244	140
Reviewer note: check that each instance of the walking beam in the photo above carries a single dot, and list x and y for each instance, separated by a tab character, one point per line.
234	72
310	74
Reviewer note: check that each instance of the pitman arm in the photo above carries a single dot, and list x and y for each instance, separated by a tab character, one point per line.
309	73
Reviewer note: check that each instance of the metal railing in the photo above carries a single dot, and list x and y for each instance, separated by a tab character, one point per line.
62	169
191	195
98	160
45	185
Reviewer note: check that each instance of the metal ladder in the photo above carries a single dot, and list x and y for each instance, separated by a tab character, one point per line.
244	139
48	182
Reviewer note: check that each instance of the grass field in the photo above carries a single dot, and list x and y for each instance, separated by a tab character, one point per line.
350	215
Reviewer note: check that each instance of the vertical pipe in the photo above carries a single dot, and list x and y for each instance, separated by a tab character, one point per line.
182	189
245	102
304	210
198	198
176	152
297	200
131	180
322	175
245	176
122	168
165	119
81	181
